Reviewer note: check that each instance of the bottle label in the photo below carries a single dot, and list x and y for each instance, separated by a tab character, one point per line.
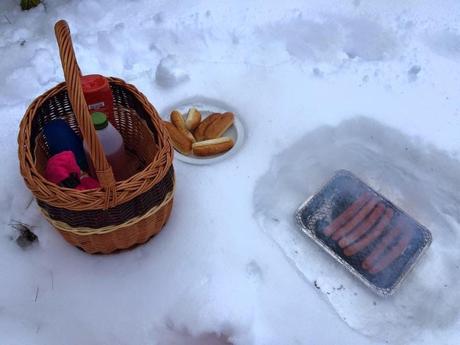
96	106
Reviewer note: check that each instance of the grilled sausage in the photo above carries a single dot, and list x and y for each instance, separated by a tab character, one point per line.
364	227
358	218
346	215
380	248
394	253
371	235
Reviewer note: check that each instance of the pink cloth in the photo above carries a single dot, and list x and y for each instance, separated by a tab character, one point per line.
62	165
88	183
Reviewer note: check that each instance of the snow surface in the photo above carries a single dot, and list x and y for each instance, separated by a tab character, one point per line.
418	178
364	85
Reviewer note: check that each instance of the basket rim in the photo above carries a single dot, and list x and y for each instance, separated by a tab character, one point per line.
123	191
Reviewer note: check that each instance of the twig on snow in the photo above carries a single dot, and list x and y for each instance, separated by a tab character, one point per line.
36	293
7	19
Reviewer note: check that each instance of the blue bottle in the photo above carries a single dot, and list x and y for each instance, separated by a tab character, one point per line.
60	137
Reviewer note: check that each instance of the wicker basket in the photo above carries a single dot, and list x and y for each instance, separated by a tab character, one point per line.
120	214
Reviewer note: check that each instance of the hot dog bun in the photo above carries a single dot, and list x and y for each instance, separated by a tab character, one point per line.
212	147
219	126
181	142
178	120
193	119
187	133
200	130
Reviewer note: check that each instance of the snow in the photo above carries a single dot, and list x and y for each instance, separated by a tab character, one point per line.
368	86
418	177
169	73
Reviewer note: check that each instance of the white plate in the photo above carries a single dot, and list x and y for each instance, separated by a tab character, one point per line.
207	106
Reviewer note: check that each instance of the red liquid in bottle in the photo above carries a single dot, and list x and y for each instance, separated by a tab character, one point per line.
123	165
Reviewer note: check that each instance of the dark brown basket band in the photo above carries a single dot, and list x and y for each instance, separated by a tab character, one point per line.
118	214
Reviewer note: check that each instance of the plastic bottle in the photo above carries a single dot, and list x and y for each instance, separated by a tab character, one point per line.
112	143
98	94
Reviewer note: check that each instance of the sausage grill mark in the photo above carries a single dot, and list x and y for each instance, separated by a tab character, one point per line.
372	235
361	224
380	248
360	216
347	214
364	227
394	253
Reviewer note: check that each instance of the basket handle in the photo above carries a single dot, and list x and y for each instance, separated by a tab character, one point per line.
72	77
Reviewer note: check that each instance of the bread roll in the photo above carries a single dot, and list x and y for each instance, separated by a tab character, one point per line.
187	133
200	130
181	142
178	120
212	147
219	126
193	119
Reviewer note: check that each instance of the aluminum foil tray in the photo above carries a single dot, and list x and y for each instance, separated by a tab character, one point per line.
372	238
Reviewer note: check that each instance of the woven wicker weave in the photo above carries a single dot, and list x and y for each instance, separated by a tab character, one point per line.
120	214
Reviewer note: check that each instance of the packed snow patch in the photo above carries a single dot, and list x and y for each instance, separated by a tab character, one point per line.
419	178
